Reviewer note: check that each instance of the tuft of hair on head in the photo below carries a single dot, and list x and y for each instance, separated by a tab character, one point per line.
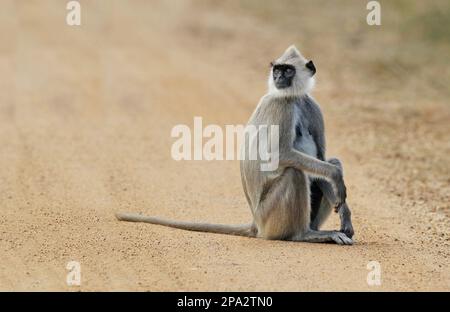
302	83
291	52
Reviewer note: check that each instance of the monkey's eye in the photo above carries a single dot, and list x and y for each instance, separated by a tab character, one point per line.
289	72
277	71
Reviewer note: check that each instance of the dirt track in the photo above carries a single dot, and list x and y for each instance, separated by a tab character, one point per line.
85	121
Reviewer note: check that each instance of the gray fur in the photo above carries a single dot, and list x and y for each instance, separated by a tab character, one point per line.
280	200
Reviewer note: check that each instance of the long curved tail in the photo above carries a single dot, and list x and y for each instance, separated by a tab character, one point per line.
247	230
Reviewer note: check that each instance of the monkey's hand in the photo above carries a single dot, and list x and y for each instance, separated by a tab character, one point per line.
346	221
339	187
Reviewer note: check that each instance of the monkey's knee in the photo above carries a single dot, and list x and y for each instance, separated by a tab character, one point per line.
335	161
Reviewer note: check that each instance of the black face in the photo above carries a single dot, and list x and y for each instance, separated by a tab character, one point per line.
283	75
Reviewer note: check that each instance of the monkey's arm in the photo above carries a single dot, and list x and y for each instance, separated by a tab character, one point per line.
290	157
317	126
317	168
309	164
326	188
330	197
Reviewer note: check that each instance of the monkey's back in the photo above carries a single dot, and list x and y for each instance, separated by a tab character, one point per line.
271	111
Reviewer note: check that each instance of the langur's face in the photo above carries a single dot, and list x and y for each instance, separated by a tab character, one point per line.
291	74
284	74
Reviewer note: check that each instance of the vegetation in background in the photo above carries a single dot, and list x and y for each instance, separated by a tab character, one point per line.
414	38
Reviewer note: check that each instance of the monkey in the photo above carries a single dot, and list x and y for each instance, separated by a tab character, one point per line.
293	201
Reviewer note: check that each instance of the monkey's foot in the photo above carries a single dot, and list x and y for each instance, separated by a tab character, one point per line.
324	237
346	220
341	239
347	229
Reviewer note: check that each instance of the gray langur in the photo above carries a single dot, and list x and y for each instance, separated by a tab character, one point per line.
292	201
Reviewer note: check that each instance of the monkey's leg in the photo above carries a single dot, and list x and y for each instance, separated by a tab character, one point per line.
326	206
316	168
317	200
324	237
346	222
312	235
302	204
278	215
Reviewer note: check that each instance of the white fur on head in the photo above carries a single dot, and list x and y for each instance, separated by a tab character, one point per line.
302	83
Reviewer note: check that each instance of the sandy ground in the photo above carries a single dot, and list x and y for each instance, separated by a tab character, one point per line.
85	121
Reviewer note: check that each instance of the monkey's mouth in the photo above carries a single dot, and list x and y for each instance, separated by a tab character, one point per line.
282	83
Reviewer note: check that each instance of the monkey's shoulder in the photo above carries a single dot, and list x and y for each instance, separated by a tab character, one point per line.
308	110
272	110
308	105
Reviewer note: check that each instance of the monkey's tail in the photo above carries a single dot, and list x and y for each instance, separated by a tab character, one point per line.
247	230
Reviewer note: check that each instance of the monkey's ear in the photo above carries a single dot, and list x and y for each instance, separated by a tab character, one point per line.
271	64
311	67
